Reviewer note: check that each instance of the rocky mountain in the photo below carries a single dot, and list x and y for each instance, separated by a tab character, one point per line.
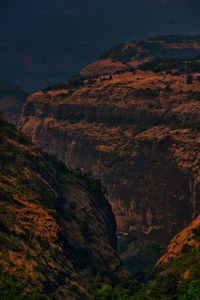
57	230
132	121
135	53
12	99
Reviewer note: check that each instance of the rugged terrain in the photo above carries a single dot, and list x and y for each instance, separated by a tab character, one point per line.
57	230
136	128
12	99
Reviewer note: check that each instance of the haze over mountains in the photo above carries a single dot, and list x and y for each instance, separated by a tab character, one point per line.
43	42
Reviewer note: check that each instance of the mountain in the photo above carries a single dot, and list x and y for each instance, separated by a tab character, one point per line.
12	99
135	128
47	45
125	56
57	230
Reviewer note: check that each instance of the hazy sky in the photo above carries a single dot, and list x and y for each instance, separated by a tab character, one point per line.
46	41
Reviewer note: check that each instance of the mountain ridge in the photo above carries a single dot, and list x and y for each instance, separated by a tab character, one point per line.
137	130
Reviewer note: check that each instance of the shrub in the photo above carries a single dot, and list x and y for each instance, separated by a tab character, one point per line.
10	289
192	292
106	292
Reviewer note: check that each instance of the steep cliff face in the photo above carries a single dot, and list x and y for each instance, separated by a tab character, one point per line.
12	99
55	227
136	130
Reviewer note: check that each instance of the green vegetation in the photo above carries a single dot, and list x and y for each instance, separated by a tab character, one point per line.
159	283
11	289
192	291
106	292
169	283
116	288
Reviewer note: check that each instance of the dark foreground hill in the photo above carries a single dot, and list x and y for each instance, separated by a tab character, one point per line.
57	231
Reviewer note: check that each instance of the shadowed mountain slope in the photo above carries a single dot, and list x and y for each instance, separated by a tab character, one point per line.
57	230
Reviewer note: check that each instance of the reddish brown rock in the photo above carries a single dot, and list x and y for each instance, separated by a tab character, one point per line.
135	131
